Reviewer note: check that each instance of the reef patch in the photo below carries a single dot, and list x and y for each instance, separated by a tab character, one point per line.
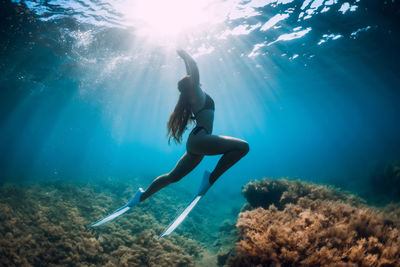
293	223
44	224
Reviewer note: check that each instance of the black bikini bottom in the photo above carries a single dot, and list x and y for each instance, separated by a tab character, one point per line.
197	129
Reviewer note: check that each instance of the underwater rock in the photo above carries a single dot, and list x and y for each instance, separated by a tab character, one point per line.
283	191
318	226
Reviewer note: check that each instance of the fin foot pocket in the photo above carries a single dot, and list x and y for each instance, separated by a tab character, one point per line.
205	184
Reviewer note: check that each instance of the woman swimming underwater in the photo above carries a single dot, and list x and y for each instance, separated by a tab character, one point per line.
193	105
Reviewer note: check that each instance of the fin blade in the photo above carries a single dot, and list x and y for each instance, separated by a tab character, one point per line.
181	217
110	217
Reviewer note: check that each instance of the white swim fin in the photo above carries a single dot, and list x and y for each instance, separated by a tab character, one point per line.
178	220
204	186
110	217
120	211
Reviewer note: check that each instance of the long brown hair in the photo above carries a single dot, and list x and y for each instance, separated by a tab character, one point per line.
182	114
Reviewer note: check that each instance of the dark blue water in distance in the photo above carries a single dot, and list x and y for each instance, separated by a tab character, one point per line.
87	88
313	87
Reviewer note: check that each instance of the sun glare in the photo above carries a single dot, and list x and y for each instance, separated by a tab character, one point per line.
169	19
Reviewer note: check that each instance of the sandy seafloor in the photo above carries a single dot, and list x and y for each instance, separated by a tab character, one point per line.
284	223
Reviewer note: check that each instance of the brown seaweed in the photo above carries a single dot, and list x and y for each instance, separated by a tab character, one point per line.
45	225
318	226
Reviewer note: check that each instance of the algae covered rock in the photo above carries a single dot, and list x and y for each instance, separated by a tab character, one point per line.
280	192
303	224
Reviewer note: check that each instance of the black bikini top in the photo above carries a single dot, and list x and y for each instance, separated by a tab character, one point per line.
209	104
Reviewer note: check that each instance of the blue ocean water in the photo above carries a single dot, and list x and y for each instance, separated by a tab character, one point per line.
87	87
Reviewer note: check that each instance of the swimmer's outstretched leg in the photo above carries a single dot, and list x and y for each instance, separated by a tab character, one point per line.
185	165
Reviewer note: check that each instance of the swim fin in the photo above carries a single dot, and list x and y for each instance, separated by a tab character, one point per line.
120	211
205	185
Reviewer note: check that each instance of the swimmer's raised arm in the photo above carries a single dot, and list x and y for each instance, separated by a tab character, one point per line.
191	67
